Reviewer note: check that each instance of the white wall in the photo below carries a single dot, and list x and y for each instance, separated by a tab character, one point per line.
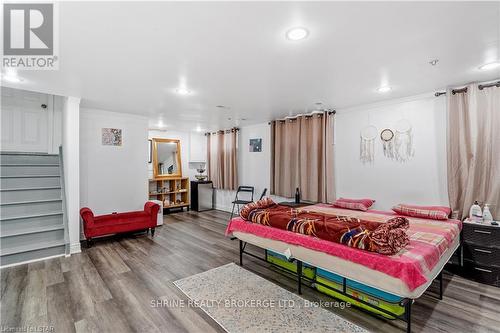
254	169
193	149
71	158
422	180
113	178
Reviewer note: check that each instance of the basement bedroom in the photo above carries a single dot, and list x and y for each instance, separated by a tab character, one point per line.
250	166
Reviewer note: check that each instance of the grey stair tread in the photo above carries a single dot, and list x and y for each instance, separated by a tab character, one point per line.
30	165
31	230
30	188
26	153
31	247
32	176
31	216
29	202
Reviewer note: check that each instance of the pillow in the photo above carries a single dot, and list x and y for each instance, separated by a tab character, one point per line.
263	203
355	204
426	212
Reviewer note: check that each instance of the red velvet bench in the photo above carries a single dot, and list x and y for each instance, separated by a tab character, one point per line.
116	223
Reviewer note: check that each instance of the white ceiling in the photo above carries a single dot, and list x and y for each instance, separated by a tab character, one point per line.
130	56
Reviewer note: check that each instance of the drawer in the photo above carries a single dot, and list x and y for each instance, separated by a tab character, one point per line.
489	256
482	273
483	235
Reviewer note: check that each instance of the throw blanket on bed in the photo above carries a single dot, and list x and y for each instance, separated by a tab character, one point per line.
370	235
429	241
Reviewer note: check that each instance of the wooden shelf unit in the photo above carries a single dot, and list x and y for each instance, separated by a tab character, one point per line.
173	190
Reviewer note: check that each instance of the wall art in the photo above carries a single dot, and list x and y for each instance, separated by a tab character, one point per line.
111	137
387	137
367	144
255	145
403	141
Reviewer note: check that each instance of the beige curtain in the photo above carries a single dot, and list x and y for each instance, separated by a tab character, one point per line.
474	149
222	159
302	156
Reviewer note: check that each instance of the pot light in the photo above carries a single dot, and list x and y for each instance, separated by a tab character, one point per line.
491	65
297	33
161	124
182	91
384	89
13	79
11	76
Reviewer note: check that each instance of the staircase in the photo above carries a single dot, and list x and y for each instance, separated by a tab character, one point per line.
32	224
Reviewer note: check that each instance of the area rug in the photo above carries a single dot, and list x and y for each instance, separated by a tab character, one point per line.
240	301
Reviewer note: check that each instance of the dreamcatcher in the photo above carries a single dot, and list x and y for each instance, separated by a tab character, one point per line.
387	137
367	144
403	141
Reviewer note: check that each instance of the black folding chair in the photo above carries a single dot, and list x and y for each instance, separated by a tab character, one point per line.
237	202
263	194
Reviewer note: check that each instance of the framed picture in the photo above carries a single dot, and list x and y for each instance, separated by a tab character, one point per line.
150	149
255	145
111	137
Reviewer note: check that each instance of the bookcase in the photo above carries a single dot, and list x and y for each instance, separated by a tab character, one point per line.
173	192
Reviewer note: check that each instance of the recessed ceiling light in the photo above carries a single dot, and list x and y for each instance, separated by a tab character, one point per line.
182	91
297	33
11	76
491	65
384	89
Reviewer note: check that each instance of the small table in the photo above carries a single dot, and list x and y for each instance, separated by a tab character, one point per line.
293	204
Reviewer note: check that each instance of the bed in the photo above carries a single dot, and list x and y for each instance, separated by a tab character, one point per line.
405	275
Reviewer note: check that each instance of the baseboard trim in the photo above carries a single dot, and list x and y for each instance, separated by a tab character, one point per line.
223	208
32	260
75	248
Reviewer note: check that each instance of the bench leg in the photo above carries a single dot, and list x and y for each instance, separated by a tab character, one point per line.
152	232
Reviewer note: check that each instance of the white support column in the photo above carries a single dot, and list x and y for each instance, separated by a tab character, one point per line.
71	160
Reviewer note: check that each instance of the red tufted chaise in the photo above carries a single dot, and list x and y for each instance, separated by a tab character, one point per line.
119	222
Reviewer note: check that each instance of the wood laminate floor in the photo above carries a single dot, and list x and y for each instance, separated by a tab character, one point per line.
111	286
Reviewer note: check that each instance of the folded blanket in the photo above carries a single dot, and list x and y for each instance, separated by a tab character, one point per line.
385	238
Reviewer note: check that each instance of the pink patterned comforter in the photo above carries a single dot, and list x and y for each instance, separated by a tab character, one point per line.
429	240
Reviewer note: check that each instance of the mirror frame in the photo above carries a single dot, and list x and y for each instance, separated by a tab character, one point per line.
156	141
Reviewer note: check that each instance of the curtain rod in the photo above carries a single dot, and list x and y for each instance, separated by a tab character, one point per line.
464	90
234	129
329	112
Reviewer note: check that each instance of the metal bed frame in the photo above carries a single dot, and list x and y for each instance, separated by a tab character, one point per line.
406	302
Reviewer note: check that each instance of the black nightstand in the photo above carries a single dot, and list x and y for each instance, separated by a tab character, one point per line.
481	252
